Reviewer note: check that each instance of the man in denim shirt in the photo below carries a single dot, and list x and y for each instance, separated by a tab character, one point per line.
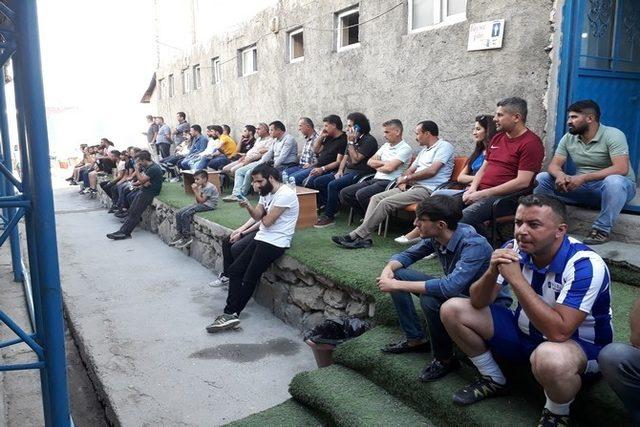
464	255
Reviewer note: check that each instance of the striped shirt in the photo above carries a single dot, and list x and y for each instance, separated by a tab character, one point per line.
577	277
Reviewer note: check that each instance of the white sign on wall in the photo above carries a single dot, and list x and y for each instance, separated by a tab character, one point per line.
486	35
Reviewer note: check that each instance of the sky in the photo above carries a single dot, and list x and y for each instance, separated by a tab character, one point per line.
98	58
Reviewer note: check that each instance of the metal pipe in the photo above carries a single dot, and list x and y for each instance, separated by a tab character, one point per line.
8	174
27	338
22	366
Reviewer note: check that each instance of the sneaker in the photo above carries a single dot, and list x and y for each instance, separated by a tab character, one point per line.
112	209
231	198
338	240
184	243
596	237
224	322
549	419
404	241
482	388
438	369
121	214
176	241
219	282
357	243
403	346
118	235
324	221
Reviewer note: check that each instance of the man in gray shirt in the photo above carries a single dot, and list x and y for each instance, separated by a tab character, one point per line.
284	151
163	139
182	128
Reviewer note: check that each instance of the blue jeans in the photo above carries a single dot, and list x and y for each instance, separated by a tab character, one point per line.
441	343
329	189
299	175
242	179
217	163
185	215
609	194
189	163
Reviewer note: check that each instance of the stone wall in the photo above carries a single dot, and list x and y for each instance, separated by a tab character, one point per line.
294	293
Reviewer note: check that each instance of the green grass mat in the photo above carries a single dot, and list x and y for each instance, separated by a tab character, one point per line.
287	414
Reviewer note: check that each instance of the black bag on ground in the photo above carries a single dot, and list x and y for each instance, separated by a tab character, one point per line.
336	331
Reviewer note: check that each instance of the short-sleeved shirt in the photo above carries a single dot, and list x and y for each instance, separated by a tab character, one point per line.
401	151
181	128
608	143
121	166
151	132
506	156
367	145
228	146
308	155
441	151
211	195
331	147
164	135
577	277
154	172
281	231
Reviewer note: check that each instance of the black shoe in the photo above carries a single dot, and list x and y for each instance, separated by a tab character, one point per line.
112	209
438	369
72	182
339	239
118	235
404	347
122	214
357	243
549	419
482	388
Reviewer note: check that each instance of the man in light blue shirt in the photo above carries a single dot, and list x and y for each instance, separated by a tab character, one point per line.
163	140
284	151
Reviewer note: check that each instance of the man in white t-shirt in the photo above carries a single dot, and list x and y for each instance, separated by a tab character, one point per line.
432	167
252	248
389	162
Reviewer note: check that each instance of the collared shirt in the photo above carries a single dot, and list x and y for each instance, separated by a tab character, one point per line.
577	277
212	146
261	144
464	260
367	145
442	152
164	135
400	151
198	145
181	128
283	152
607	143
308	155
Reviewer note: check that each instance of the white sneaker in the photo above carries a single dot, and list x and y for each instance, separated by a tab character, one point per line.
184	243
219	282
176	179
176	241
404	241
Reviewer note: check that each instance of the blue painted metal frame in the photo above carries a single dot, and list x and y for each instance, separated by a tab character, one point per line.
35	203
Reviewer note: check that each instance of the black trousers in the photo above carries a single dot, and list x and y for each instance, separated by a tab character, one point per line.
477	213
140	203
109	187
244	263
358	195
163	149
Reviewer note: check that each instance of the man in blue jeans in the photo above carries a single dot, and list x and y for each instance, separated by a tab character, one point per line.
604	178
464	255
361	145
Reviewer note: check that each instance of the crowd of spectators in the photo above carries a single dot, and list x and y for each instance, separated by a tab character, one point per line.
562	324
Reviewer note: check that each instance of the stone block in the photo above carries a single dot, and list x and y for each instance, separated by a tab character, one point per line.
308	298
287	263
335	298
333	313
305	279
166	231
325	282
311	319
355	308
293	315
287	276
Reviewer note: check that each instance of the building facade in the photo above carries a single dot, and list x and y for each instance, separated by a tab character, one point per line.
410	59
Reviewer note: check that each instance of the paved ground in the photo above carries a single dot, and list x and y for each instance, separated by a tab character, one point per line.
139	308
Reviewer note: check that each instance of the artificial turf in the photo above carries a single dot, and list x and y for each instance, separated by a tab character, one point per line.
287	414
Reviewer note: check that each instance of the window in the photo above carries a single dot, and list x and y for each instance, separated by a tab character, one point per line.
172	89
215	70
186	80
161	89
348	30
196	77
249	60
296	45
426	13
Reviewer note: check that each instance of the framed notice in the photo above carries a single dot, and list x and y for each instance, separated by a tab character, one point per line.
486	35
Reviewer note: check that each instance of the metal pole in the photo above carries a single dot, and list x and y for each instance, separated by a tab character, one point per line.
54	379
8	189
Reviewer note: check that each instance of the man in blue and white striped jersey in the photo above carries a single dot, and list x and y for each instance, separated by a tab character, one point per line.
563	317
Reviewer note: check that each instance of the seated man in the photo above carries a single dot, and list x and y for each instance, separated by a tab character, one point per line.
432	167
464	256
242	173
620	365
300	172
512	160
248	253
247	140
201	160
284	150
361	145
199	143
150	179
604	177
330	147
170	164
388	162
109	187
226	150
562	321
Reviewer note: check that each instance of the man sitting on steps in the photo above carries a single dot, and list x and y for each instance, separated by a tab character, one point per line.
562	321
464	256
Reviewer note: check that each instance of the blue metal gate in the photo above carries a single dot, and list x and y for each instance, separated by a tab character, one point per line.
31	197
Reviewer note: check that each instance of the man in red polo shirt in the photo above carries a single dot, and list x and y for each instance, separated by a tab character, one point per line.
513	159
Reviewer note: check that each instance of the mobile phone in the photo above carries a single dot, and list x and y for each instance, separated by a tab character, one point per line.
241	198
356	129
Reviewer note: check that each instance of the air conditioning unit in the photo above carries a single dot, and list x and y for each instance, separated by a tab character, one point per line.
274	24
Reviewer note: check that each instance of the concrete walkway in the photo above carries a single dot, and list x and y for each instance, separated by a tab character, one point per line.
138	309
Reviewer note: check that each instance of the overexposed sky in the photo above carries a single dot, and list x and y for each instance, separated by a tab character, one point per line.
99	56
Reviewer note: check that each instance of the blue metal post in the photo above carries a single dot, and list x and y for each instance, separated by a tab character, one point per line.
42	218
8	189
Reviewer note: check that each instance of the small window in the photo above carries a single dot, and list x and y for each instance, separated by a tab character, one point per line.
172	89
186	80
215	71
427	13
249	59
296	45
348	28
161	89
197	83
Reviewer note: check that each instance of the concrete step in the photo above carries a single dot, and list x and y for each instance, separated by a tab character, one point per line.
626	229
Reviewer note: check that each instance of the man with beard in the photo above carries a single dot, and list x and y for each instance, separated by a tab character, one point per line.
252	248
603	179
563	317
